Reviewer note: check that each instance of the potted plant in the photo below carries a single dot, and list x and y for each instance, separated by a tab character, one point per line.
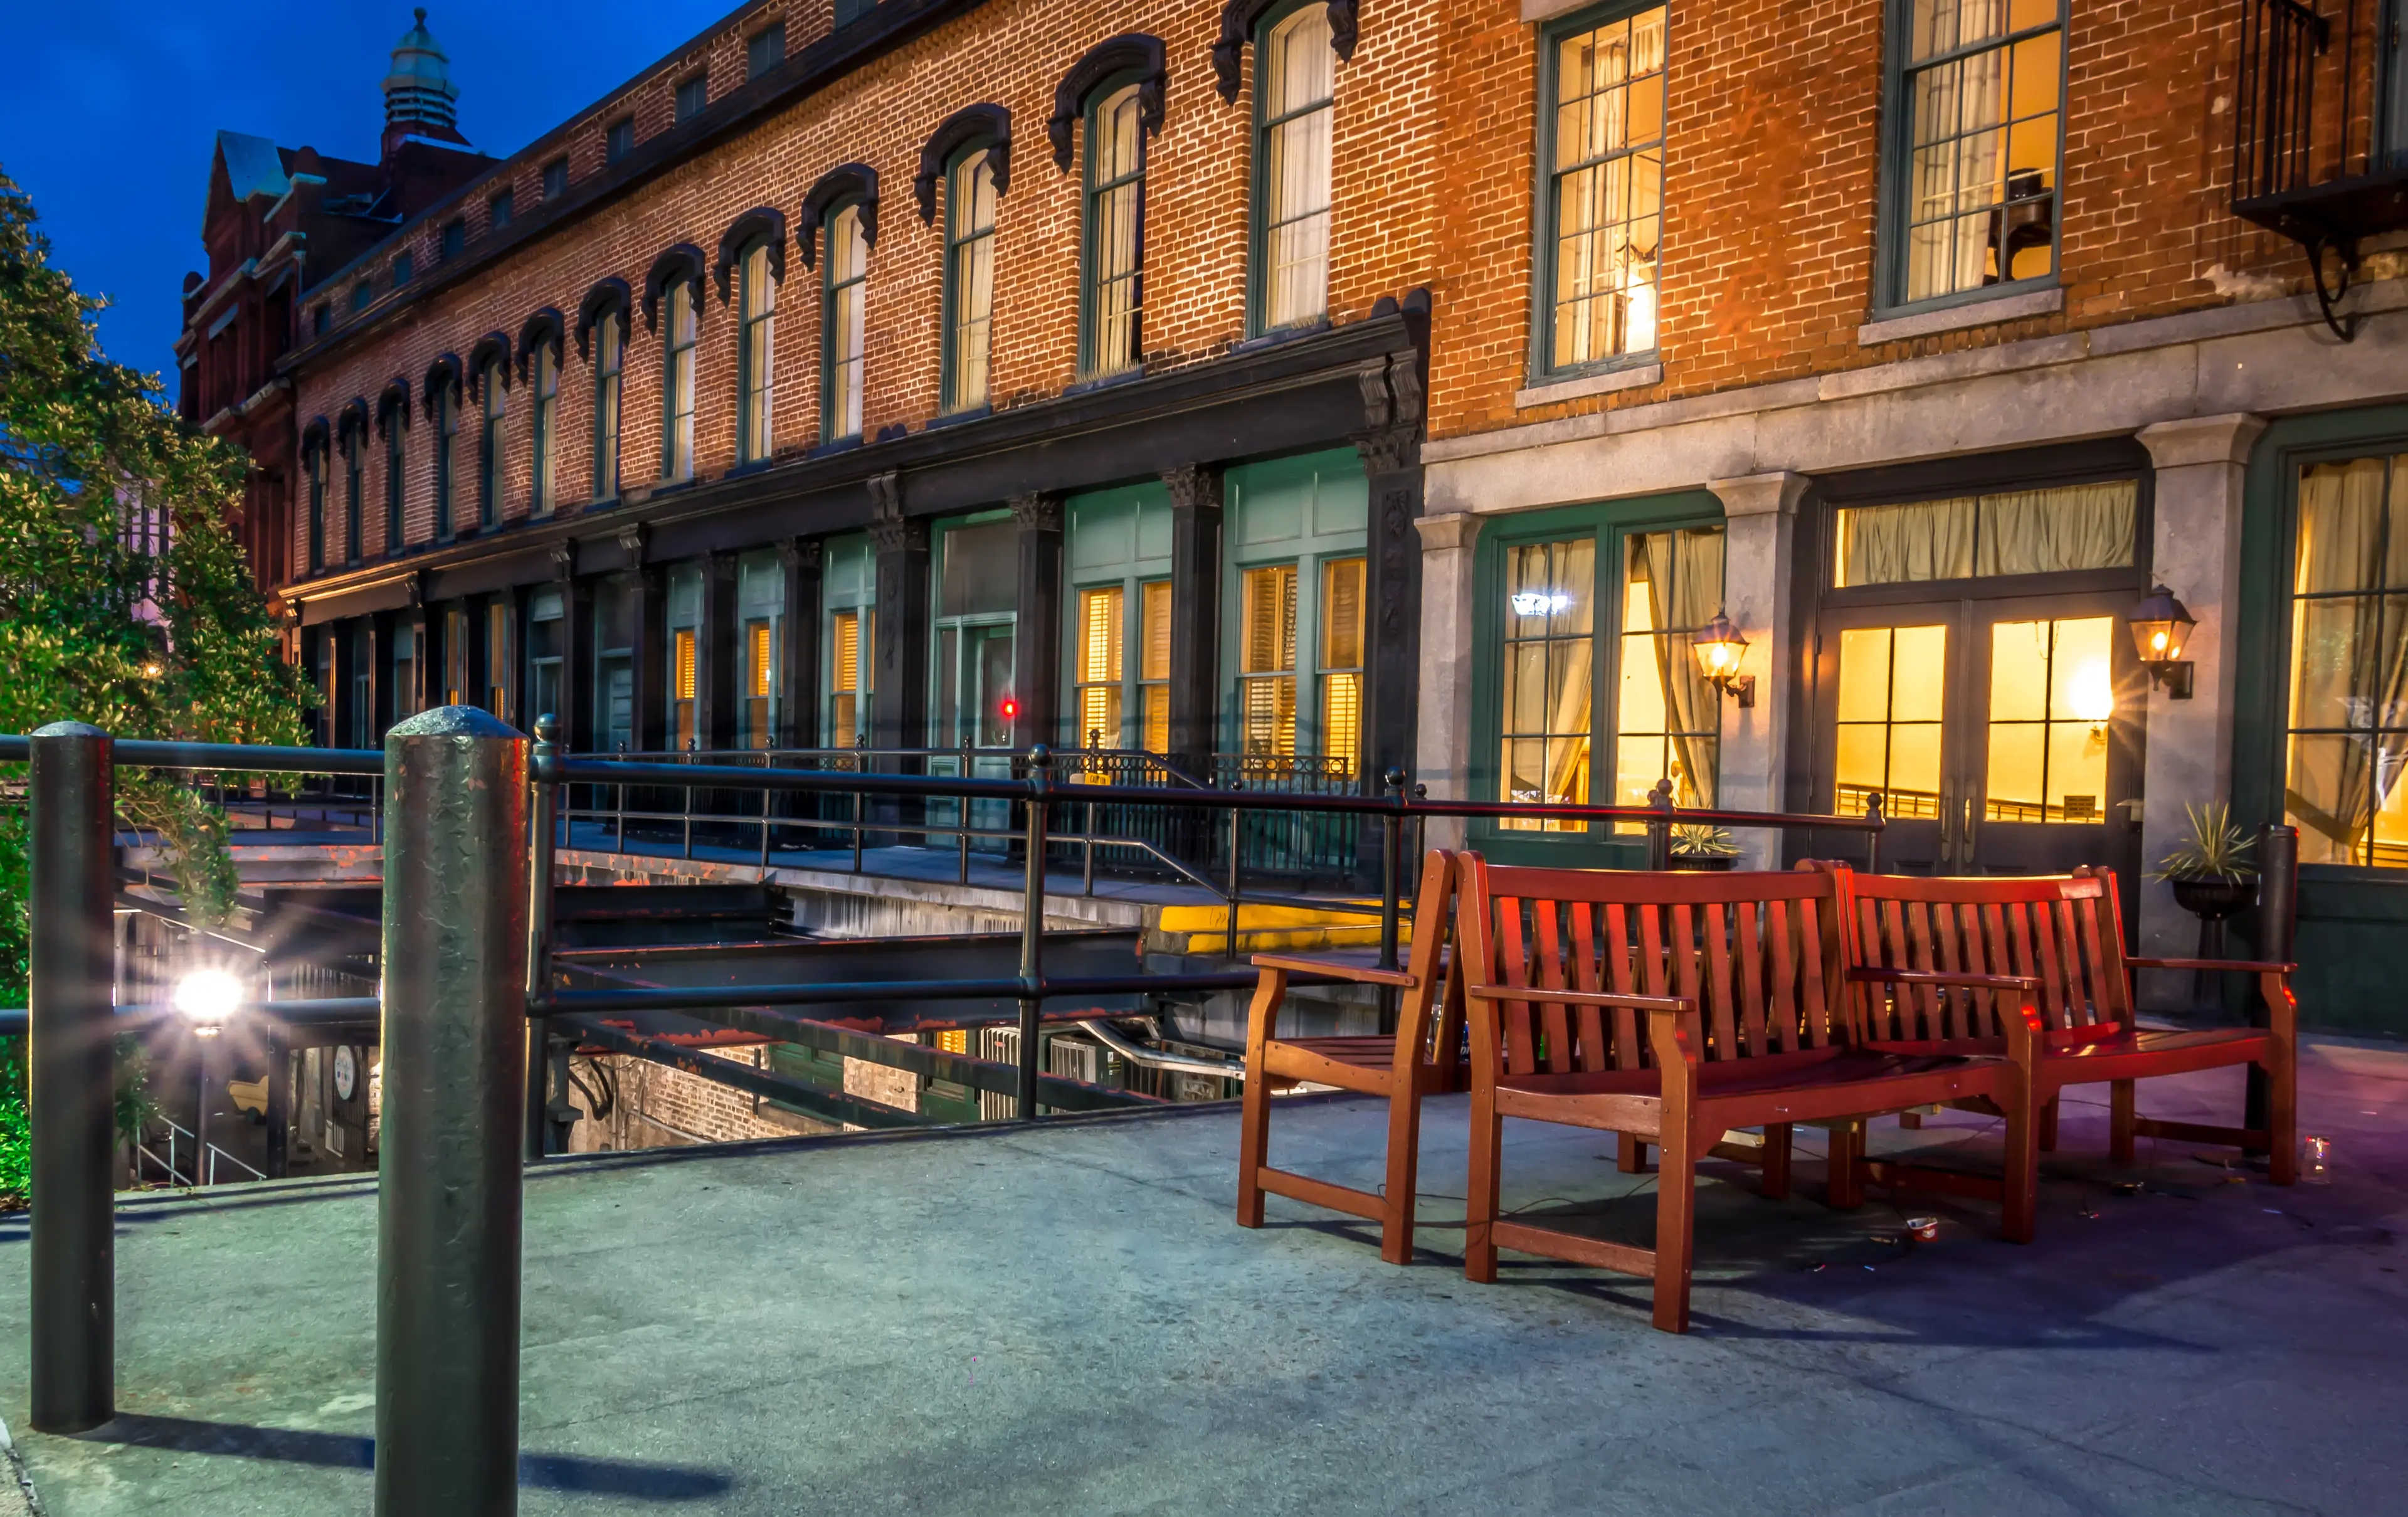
1697	846
2211	872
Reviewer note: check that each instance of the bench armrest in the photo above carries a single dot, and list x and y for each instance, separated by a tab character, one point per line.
1580	997
2250	967
1946	978
1360	974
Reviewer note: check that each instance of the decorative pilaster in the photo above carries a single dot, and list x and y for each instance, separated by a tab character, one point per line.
1760	517
1442	752
1391	447
1195	614
899	703
799	697
1036	633
715	687
649	661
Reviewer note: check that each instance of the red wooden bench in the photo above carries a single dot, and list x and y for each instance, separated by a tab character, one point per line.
1420	1060
2067	932
1674	1008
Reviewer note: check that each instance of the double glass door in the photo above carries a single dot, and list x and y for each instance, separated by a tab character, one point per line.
2002	736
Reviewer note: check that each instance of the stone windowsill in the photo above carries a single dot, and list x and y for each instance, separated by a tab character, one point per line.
1959	318
1637	377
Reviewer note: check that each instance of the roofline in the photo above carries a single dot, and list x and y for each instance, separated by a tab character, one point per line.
891	25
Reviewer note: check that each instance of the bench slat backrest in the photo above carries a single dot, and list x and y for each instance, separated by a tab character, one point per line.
2066	931
1759	953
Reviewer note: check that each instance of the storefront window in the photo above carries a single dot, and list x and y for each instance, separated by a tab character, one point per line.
1668	719
2348	719
2047	531
1550	627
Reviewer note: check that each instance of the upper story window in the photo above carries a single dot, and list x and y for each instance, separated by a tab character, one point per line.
555	179
1292	166
320	318
619	139
677	382
501	209
360	295
850	11
403	267
395	477
1114	261
2348	724
1976	87
754	346
315	461
843	315
1604	157
609	354
454	240
545	410
447	435
970	278
766	48
490	448
351	494
692	95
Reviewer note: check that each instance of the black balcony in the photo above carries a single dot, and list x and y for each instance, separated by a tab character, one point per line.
2320	145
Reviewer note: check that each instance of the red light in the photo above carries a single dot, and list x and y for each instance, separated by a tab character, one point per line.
1010	708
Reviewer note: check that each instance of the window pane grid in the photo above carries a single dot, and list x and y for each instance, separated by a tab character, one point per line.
489	495
609	351
677	433
2051	696
2347	736
1267	654
760	322
970	212
845	316
1342	661
1983	86
1115	215
1298	114
1607	189
1099	667
1668	717
1548	688
1889	707
547	407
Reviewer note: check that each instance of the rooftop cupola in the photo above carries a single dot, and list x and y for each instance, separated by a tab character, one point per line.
419	94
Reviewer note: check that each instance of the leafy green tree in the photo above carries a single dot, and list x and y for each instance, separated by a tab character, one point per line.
124	599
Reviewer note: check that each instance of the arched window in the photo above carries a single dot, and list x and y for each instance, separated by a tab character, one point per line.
677	383
1292	170
350	490
843	315
393	419
490	444
610	355
970	276
546	410
756	343
315	460
447	432
1115	234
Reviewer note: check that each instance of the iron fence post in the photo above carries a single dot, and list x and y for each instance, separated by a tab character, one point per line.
544	801
1032	925
73	803
962	815
1880	823
1088	771
1237	841
1659	826
2278	907
1391	862
449	1194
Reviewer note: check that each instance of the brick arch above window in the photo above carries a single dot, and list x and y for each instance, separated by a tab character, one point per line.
683	261
764	224
846	182
989	125
1131	53
313	437
543	327
443	374
492	351
392	402
608	297
1238	19
352	420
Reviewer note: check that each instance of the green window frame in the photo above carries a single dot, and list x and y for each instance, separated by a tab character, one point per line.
1973	159
351	494
755	351
1293	623
848	590
1117	543
446	434
1603	76
1296	113
609	361
681	326
844	311
970	276
1596	645
544	411
1112	263
397	421
316	545
491	458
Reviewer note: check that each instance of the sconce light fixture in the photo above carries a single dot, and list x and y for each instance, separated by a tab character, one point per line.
2161	631
1719	650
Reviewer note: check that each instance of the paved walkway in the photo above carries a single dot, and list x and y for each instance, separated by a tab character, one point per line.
1066	1321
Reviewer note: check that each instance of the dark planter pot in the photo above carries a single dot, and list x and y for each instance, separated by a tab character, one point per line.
1704	863
2212	900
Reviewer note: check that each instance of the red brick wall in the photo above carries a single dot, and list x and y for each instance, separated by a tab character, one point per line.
1771	166
1386	196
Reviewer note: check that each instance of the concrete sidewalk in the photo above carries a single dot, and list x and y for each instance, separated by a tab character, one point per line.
1067	1320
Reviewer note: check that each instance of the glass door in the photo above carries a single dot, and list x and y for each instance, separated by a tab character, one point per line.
2002	736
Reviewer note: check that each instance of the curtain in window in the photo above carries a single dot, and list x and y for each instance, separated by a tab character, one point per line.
1297	112
2084	526
1116	166
1884	545
1683	573
2349	655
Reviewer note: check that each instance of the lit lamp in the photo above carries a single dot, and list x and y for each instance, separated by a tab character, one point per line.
207	998
2161	631
1719	650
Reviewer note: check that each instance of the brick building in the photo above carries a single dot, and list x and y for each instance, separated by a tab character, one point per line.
1311	388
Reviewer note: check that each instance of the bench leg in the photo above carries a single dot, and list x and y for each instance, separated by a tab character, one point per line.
2119	1121
1676	1227
2048	1127
1480	1188
1254	1145
2282	1121
1629	1154
1910	1119
1776	1161
2020	1191
1404	1156
1843	1184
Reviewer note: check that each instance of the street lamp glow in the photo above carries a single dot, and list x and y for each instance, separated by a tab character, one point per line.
208	997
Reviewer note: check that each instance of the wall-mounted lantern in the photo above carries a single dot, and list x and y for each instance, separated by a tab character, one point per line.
2161	631
1719	648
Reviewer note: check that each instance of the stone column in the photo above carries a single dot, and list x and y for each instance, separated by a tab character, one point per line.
1442	755
799	661
1037	634
1760	518
2200	464
899	698
1195	615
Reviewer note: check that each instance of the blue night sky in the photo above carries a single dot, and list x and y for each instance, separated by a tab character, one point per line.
112	107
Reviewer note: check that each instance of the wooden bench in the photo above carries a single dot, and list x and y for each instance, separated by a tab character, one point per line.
1420	1060
1673	1008
2066	932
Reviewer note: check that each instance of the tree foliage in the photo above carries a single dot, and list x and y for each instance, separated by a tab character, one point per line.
124	598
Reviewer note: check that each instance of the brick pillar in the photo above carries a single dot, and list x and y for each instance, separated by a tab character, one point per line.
1195	615
1036	634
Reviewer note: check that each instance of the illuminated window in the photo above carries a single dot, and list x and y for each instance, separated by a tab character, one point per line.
760	681
1292	207
853	636
610	352
677	383
1267	666
1550	645
682	685
1668	719
969	279
1115	234
1605	189
1978	151
2044	531
497	658
1342	662
2349	721
752	356
1101	626
843	312
1154	665
2051	696
1890	706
